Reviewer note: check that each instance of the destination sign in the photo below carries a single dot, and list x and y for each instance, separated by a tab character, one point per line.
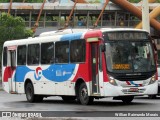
126	36
120	66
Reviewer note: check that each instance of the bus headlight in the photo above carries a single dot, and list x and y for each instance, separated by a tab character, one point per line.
112	81
152	80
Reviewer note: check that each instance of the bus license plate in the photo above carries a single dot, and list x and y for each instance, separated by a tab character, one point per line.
133	89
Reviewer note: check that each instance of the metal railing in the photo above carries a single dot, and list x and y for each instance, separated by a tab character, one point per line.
86	24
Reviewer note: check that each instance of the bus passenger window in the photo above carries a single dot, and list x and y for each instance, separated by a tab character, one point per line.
62	52
77	51
47	53
33	54
21	55
5	56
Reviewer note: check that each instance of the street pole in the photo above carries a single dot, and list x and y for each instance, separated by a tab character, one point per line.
145	15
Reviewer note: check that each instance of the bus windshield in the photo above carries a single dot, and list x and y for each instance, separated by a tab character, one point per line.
129	56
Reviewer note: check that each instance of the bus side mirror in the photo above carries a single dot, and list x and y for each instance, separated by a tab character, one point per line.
102	48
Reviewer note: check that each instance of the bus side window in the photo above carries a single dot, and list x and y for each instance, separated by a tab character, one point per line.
33	54
62	52
21	55
47	53
77	51
5	56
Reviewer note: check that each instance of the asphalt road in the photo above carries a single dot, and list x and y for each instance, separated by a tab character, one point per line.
108	106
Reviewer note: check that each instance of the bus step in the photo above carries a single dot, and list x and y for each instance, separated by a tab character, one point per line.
96	94
13	92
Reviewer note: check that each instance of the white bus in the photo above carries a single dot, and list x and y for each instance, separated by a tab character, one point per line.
82	66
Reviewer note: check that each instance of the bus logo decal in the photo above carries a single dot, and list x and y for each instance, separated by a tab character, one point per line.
38	73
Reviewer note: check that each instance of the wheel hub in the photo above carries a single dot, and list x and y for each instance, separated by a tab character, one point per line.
84	93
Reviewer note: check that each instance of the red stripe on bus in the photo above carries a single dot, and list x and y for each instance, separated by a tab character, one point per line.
8	72
128	83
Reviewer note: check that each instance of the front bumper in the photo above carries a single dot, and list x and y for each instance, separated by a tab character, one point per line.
111	90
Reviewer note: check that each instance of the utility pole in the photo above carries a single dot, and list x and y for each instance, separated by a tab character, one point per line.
39	15
100	15
145	15
69	17
10	7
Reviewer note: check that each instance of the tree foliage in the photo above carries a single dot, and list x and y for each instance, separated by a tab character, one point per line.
12	28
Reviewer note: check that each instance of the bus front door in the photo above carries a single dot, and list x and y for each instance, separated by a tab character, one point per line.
94	68
12	65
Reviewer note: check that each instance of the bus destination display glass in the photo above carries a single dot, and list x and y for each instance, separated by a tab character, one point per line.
125	35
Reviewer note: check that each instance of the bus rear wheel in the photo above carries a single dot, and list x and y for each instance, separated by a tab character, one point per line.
31	97
30	93
83	97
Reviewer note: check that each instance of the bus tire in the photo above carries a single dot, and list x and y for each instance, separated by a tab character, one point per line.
83	97
68	98
31	97
127	99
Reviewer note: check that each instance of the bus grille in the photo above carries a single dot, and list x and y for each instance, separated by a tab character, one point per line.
132	78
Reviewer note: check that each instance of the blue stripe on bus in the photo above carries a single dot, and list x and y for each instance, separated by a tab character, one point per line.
74	36
21	72
55	72
59	73
133	83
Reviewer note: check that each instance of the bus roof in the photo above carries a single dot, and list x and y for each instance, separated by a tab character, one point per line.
68	34
62	32
31	40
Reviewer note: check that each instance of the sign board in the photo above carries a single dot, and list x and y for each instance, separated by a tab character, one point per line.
125	36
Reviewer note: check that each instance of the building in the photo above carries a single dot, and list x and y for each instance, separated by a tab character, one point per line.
56	12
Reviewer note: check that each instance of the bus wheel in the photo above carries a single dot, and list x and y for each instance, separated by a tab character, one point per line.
83	97
30	93
127	99
68	98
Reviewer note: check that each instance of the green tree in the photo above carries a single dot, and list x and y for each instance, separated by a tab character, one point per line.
12	28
